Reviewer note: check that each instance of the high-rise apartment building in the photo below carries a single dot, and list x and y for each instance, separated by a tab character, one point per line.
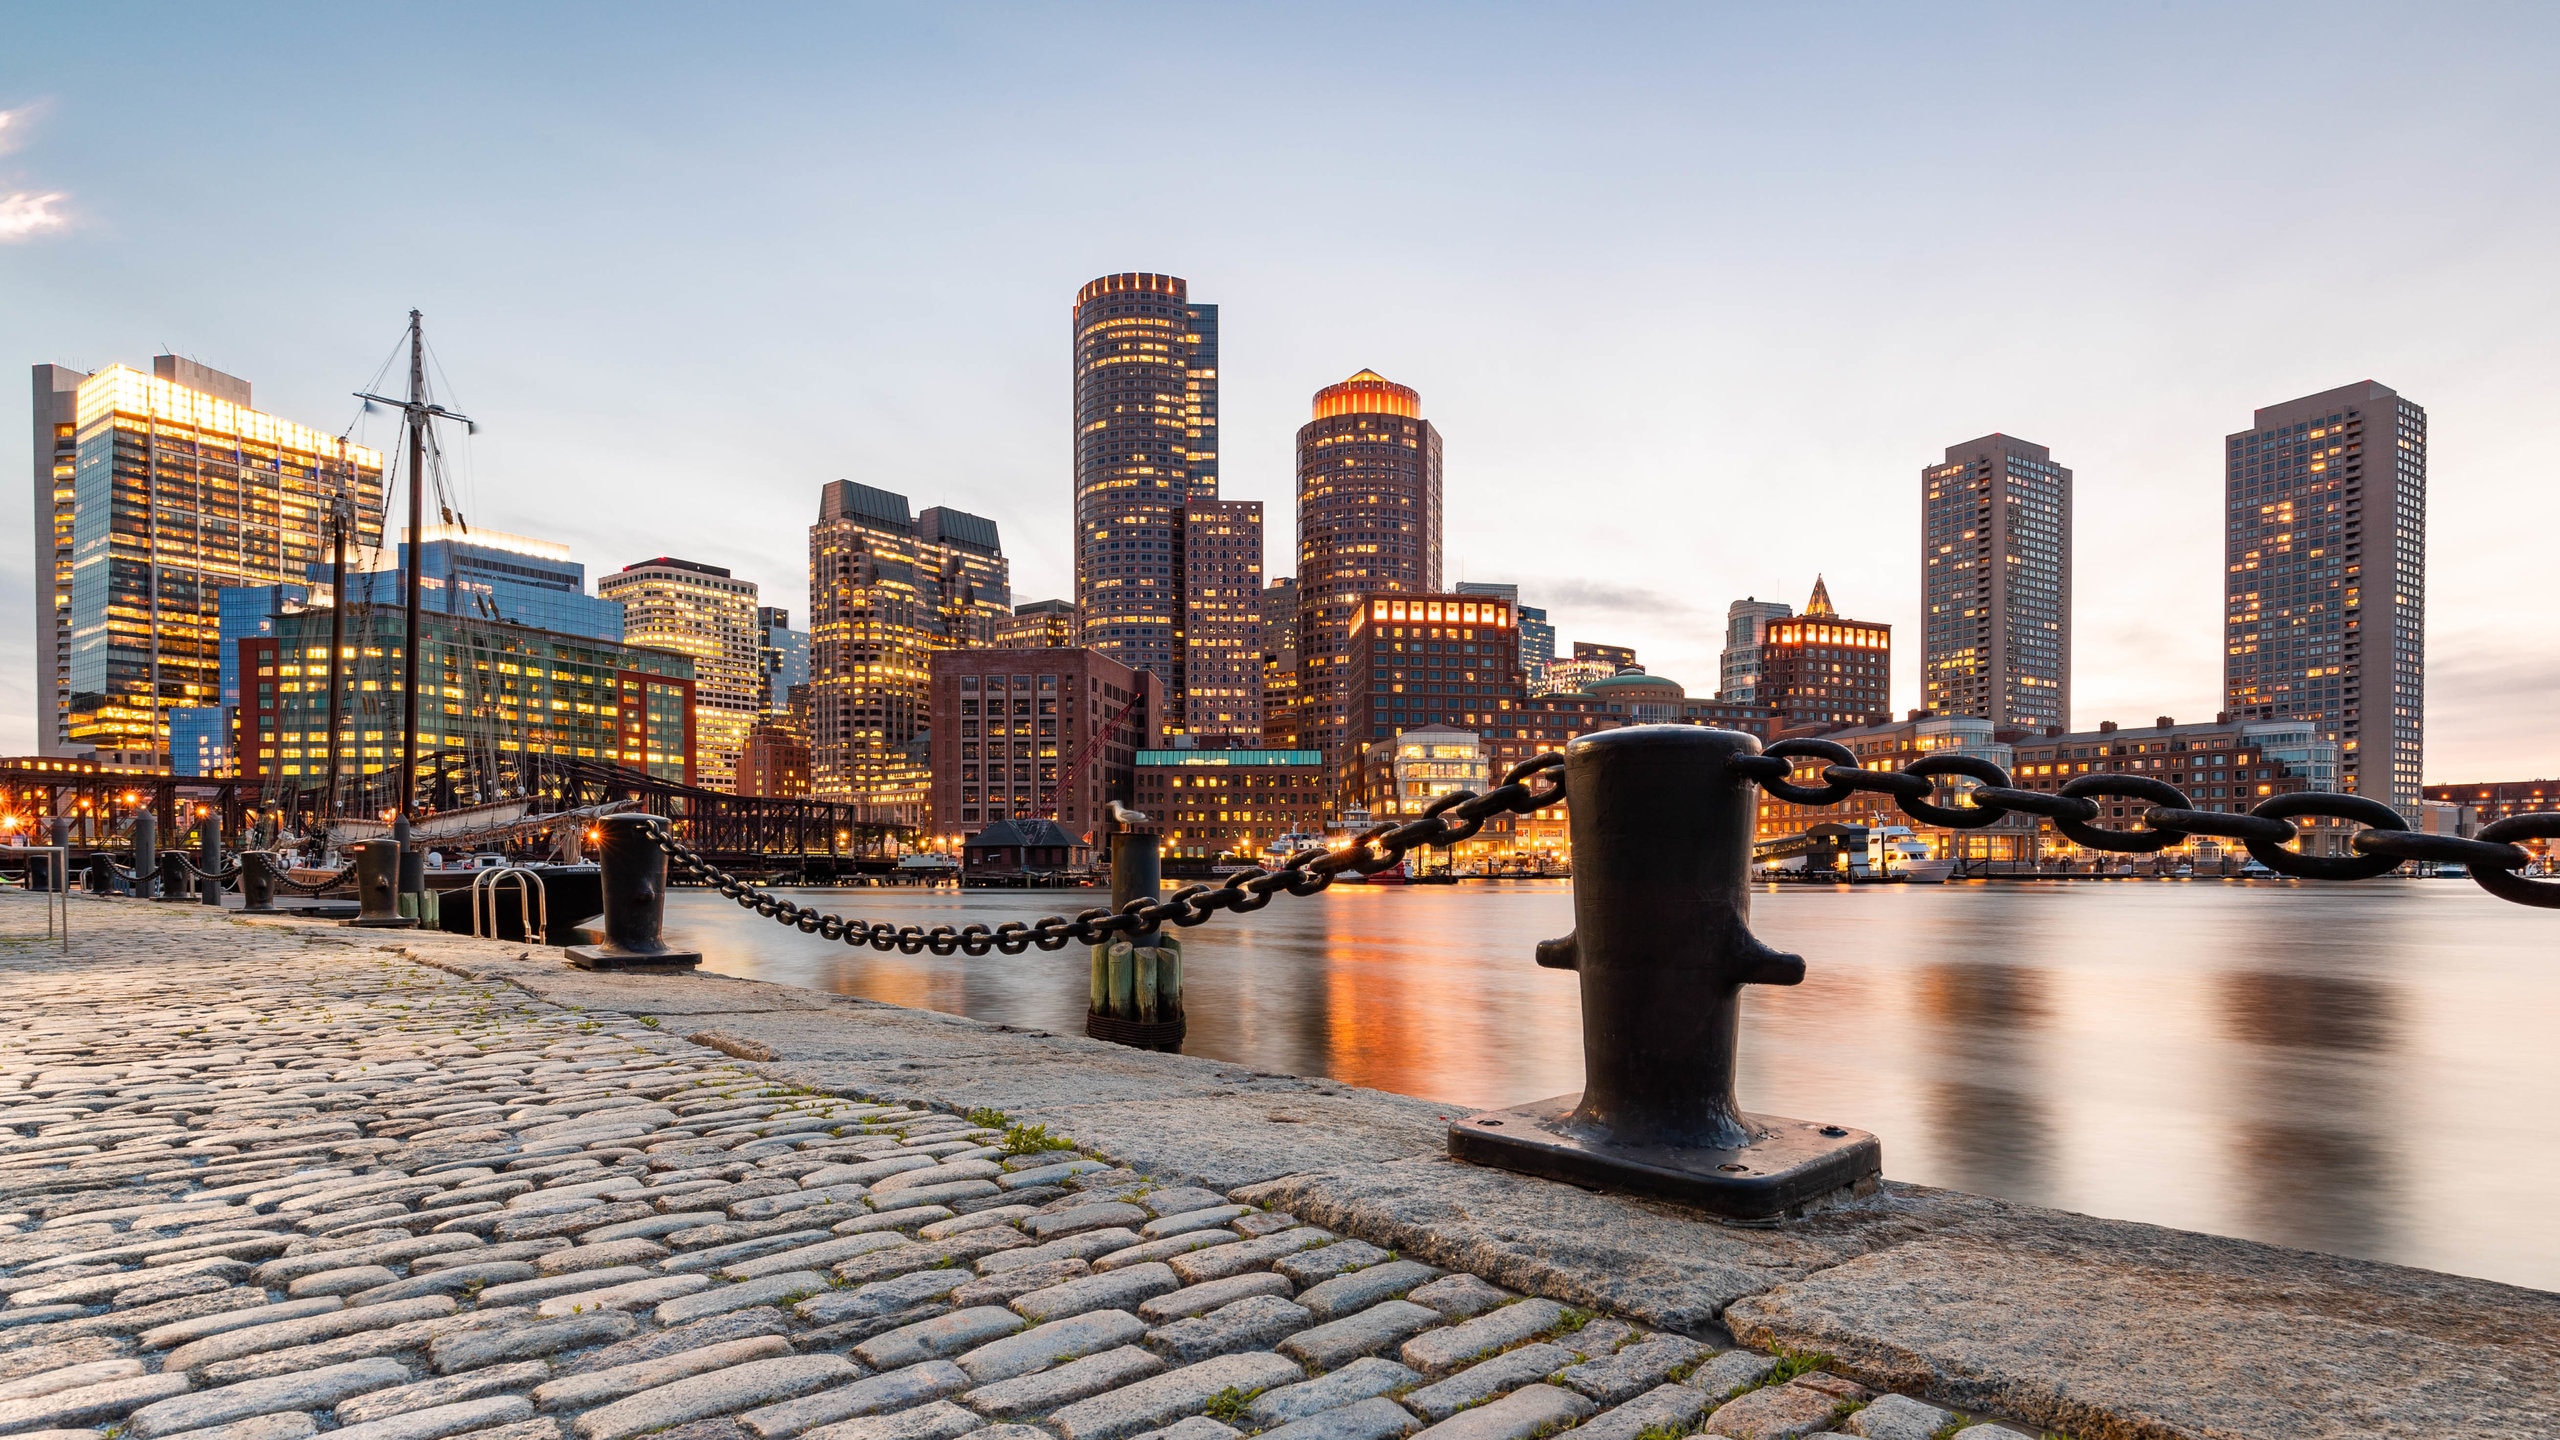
1423	659
886	590
1995	584
783	656
1746	623
1819	669
1368	524
1277	620
1221	701
153	493
1146	445
1038	625
702	611
2326	579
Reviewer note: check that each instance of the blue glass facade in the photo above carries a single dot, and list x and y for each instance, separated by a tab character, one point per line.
200	736
489	581
247	612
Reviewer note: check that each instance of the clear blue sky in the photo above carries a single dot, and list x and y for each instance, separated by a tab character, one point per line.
1692	292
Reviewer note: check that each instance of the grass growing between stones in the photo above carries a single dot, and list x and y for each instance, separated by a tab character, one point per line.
1791	1363
1032	1140
1228	1406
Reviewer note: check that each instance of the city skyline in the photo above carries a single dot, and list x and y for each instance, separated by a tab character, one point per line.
2151	337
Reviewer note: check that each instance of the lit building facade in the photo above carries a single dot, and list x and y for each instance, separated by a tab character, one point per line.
1036	734
775	762
1746	623
1146	445
1222	621
2229	766
490	575
886	591
783	657
1588	664
1420	659
1368	524
704	612
1233	802
1038	625
1537	637
1820	669
2326	580
1277	621
1995	583
166	489
499	699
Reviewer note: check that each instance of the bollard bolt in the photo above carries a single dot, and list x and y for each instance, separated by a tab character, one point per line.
377	886
1662	944
633	874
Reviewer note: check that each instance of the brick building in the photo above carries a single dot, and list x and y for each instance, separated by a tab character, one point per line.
1036	734
1209	803
1819	668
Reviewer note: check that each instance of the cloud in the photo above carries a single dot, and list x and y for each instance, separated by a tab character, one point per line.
1597	595
24	215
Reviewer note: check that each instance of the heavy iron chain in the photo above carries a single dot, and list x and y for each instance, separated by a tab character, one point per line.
1453	817
2492	860
275	872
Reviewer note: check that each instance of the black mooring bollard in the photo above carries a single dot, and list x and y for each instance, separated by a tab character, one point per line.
208	859
257	883
175	883
633	873
146	855
1662	941
377	886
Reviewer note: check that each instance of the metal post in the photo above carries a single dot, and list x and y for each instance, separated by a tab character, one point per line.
173	877
257	883
413	869
377	886
1127	983
632	870
208	859
1662	830
146	854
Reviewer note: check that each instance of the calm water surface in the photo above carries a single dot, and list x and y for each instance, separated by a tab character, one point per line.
2369	1069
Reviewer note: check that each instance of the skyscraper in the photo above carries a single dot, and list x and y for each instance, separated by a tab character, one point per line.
1221	631
1146	445
1368	524
153	493
1746	623
1038	625
1817	669
783	656
2325	614
886	590
1277	619
1995	587
688	608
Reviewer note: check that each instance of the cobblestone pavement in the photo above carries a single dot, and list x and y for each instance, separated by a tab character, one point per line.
261	1180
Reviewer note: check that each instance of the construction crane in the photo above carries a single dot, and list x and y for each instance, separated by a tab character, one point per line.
1067	771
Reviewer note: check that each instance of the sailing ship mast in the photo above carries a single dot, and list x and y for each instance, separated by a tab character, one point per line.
419	413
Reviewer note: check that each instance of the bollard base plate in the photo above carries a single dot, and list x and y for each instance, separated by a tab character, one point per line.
388	922
1793	1163
614	957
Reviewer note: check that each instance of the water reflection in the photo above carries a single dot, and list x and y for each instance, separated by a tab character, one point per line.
2337	1068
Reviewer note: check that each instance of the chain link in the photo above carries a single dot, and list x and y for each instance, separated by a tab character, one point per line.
2166	813
1450	819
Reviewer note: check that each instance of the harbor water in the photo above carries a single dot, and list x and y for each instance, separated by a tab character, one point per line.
2367	1069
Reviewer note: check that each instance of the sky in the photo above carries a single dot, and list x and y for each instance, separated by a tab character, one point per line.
1692	293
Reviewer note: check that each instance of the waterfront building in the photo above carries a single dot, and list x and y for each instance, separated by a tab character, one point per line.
705	612
1418	658
1746	623
1146	415
2228	766
2326	582
1588	664
153	493
248	611
2491	801
1234	802
782	657
1368	524
487	573
1537	635
1038	625
1277	621
504	698
1891	745
1221	700
1821	669
200	740
888	590
775	761
1024	849
1032	734
1995	583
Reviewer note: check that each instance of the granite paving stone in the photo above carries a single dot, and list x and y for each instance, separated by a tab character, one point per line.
310	1390
1201	1299
1722	1376
1460	1297
1086	1246
1043	1391
1665	1409
284	1425
464	1418
1040	1345
597	1387
1379	1419
441	1390
1162	1399
1382	1326
1118	1290
725	1391
472	1349
1006	1285
1255	1323
1486	1379
1774	1412
872	1395
1107	1214
1899	1417
1535	1410
940	1420
1360	1380
781	1289
89	1404
1631	1370
1220	1261
1440	1351
1360	1289
938	1338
